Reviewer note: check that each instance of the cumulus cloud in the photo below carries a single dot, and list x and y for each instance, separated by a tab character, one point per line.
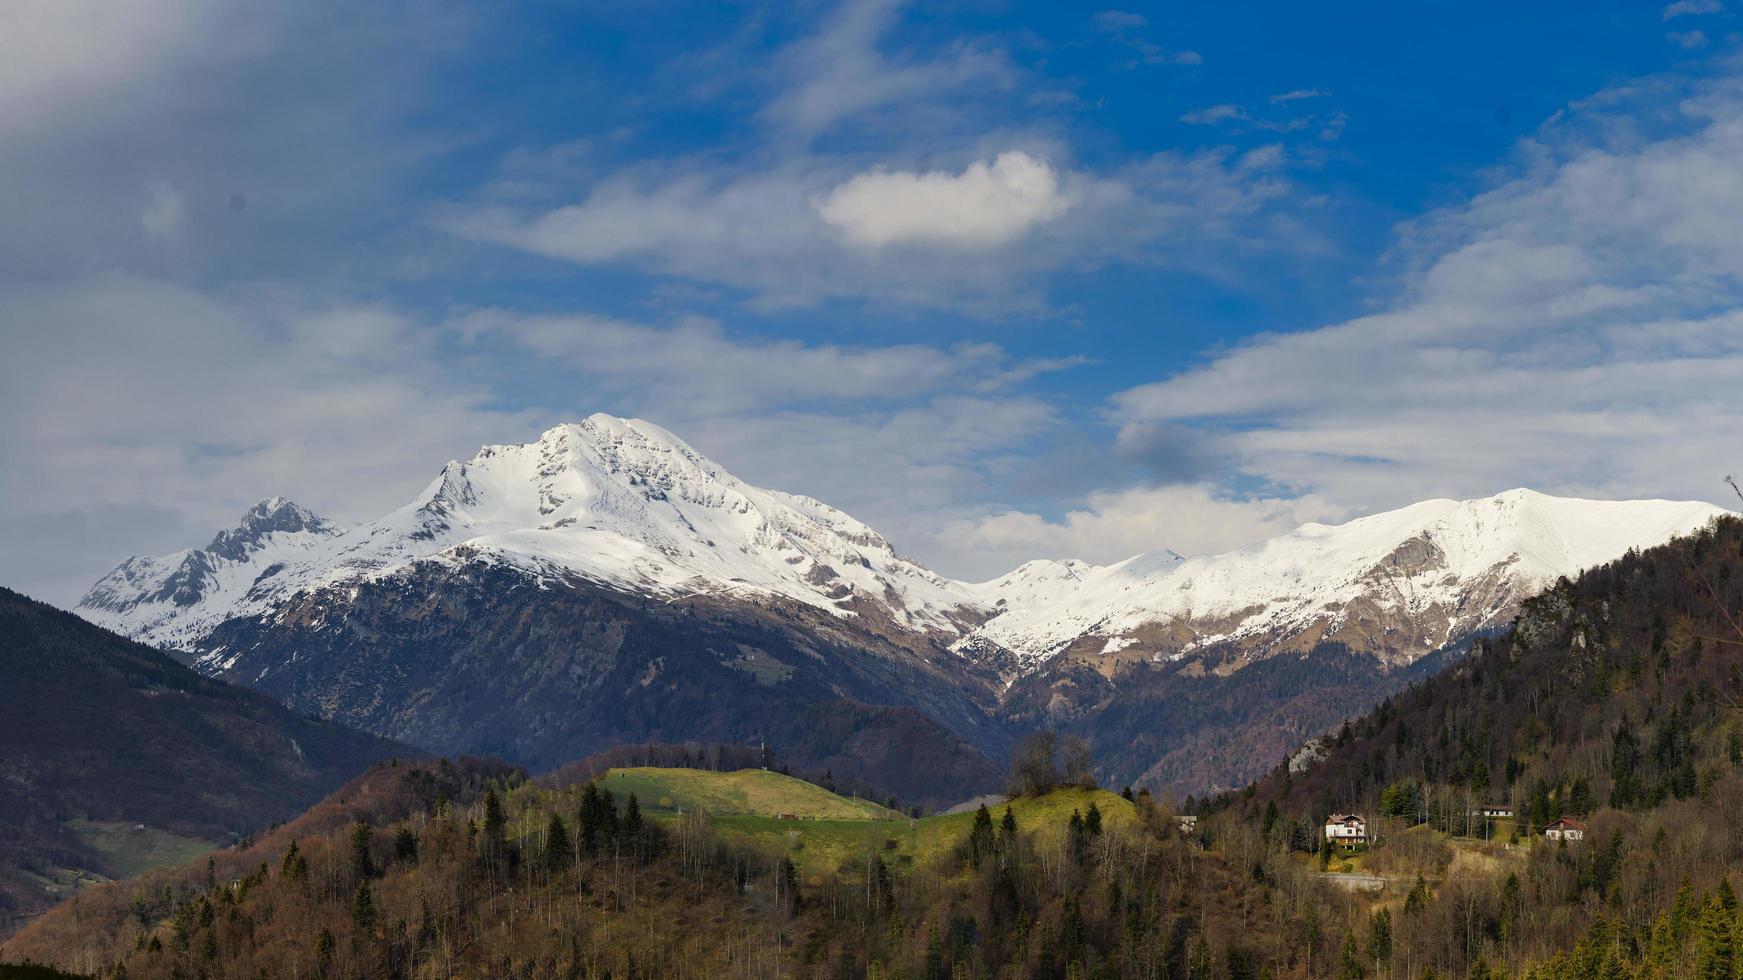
1577	328
984	206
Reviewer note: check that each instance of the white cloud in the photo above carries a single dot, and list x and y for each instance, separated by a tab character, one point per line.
1688	40
697	363
1113	525
840	74
1577	328
982	207
1212	115
766	231
57	53
1684	8
1296	95
122	395
164	212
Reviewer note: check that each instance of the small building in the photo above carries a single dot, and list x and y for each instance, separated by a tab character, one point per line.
1494	811
1346	829
1565	828
1187	823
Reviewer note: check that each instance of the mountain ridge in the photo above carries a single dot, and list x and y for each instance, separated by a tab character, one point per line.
608	533
624	502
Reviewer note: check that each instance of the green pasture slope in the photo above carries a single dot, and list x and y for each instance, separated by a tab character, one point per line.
826	834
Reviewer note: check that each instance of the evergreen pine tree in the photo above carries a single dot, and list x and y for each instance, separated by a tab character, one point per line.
362	864
980	836
559	853
632	819
324	947
363	908
495	823
405	844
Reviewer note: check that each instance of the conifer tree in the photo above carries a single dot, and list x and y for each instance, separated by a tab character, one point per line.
324	947
362	864
632	819
405	844
363	908
788	884
980	836
559	853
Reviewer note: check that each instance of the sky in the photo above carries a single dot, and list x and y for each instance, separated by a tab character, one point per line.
1004	280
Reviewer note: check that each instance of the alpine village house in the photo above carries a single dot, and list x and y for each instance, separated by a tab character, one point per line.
1347	830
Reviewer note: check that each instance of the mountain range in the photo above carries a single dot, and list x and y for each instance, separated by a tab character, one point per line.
608	582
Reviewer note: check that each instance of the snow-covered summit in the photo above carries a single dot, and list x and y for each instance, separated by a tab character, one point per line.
144	597
619	501
627	504
1401	582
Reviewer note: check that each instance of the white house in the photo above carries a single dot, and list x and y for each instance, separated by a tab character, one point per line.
1494	811
1565	828
1188	824
1346	829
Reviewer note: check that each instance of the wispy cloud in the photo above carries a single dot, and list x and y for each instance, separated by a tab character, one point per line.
842	73
1296	95
1127	30
1574	329
1211	115
1688	8
1688	40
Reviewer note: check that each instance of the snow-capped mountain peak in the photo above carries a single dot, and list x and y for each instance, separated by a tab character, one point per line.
146	594
1398	584
622	502
626	504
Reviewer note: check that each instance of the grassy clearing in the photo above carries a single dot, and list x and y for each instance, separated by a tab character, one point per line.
829	834
128	850
747	791
821	848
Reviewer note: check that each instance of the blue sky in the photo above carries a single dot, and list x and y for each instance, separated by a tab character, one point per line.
1004	280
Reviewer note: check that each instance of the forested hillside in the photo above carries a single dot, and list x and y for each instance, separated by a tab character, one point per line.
473	870
1614	702
114	757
